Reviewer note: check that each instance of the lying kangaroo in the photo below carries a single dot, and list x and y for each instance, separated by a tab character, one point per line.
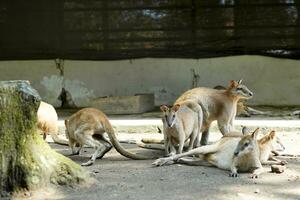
266	147
47	122
231	152
157	143
272	140
217	105
181	122
88	126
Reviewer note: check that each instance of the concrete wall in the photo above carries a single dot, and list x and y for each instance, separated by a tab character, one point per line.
274	81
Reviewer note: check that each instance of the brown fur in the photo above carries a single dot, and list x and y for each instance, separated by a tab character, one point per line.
242	109
266	146
220	105
181	122
88	126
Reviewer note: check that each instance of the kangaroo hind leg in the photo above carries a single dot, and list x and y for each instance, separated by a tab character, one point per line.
200	150
88	139
107	146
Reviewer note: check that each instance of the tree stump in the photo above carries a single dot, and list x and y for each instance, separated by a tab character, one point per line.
26	161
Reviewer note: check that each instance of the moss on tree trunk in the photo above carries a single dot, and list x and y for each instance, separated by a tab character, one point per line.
26	161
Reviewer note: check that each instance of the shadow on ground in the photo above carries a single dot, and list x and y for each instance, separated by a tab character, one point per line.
120	178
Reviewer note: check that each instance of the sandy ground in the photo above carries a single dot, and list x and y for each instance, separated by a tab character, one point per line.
117	177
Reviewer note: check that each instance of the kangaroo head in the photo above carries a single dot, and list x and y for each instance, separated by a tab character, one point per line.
271	139
268	137
239	90
169	114
246	144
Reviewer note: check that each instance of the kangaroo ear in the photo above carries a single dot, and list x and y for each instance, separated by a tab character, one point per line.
254	134
233	84
164	108
240	81
176	107
272	135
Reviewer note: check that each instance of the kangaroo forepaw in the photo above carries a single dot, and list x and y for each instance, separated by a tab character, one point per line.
233	174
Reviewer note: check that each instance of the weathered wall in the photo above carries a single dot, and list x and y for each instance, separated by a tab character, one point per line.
274	81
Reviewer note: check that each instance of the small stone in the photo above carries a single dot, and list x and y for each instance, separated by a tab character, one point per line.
256	191
278	168
161	179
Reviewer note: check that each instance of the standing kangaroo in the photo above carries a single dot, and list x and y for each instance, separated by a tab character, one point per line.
47	122
232	152
217	105
88	126
181	122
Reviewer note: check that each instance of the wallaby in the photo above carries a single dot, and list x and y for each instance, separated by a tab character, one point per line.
87	126
156	143
47	122
266	147
181	122
231	152
217	105
269	140
242	109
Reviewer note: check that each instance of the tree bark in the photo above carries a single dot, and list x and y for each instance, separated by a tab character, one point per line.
26	161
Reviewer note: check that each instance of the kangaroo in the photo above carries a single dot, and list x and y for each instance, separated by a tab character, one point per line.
217	105
266	147
87	126
242	108
268	140
181	122
156	143
231	152
47	122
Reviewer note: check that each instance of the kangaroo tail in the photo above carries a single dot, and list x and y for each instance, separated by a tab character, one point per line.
112	136
151	146
153	140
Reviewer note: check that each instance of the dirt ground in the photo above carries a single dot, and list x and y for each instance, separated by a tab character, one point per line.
117	177
120	178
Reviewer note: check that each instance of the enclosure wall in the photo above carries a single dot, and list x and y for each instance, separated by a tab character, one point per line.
274	81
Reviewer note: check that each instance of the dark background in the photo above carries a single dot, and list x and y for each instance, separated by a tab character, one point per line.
124	29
